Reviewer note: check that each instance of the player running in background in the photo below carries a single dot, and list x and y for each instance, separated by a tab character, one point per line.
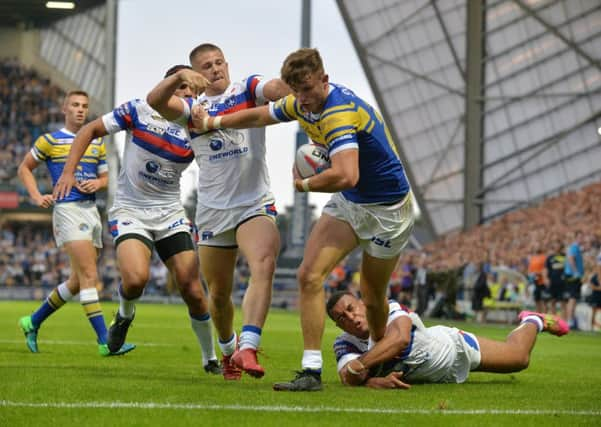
75	219
554	267
371	206
235	209
411	353
147	212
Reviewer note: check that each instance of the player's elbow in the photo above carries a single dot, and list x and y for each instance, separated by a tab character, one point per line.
401	345
153	100
400	341
522	363
22	170
158	103
349	180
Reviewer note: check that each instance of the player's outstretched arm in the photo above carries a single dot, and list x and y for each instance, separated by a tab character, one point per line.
82	140
251	118
162	97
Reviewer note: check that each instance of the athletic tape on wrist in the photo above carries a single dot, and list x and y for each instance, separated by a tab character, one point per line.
305	185
352	371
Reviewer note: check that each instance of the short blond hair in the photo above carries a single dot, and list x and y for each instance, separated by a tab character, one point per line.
202	48
300	64
76	92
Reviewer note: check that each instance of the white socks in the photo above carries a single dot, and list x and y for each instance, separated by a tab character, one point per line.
536	320
228	347
204	333
64	292
312	360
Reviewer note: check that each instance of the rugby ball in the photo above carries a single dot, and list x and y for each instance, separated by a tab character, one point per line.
311	159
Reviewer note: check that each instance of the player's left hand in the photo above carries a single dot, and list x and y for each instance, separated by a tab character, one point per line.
390	381
199	119
89	186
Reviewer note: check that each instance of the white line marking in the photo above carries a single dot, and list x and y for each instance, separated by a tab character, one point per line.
91	342
192	406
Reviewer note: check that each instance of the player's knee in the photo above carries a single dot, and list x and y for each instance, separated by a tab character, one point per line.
134	278
219	296
87	275
263	267
523	362
192	292
308	280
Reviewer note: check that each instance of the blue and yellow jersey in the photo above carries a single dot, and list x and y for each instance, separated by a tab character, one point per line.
348	122
53	148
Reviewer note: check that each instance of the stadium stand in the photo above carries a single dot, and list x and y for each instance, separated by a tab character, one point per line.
29	106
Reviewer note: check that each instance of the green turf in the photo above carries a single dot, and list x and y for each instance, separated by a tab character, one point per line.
162	381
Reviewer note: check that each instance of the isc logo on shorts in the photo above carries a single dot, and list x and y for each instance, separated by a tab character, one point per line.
207	235
176	224
380	242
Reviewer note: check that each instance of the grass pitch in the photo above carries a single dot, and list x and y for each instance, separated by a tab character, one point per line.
162	382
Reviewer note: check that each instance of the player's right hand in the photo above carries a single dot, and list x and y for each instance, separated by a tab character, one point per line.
63	186
44	200
196	81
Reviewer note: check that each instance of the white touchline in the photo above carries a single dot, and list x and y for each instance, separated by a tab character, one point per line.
195	406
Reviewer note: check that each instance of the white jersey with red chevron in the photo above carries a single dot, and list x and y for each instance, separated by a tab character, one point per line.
232	165
156	153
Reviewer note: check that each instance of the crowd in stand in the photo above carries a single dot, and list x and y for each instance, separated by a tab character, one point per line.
29	107
510	239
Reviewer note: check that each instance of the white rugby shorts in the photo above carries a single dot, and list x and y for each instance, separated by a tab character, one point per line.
464	359
152	223
217	227
383	231
73	221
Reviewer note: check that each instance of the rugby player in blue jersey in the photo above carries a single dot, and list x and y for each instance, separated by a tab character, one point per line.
75	219
371	206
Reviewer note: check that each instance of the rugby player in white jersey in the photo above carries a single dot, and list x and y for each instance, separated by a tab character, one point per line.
371	206
147	211
75	219
235	207
411	353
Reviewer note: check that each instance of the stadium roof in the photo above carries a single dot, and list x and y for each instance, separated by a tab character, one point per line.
493	105
34	13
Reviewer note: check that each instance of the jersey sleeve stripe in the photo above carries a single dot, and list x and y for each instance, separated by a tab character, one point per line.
342	147
339	109
339	131
278	112
251	85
